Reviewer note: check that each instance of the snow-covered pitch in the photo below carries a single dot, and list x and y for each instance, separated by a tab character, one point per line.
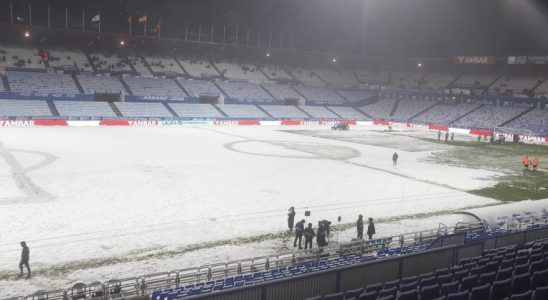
95	203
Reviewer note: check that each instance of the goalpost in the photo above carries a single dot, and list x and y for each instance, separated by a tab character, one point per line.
508	131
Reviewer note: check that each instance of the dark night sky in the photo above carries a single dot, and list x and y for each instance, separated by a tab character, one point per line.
401	28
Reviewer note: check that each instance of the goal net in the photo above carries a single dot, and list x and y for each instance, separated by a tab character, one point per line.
507	131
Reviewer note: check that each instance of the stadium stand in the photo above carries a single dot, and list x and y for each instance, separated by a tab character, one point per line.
281	91
489	117
406	80
444	114
320	94
471	81
274	72
380	109
100	84
151	86
84	109
199	87
41	82
347	112
3	83
515	85
198	68
139	64
69	59
535	120
284	111
143	110
437	81
24	108
356	95
319	112
164	65
542	90
372	77
409	108
240	71
244	90
304	76
242	111
337	78
193	110
20	57
110	62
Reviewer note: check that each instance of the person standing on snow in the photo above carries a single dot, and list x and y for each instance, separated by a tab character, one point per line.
359	227
526	163
291	218
24	259
395	159
535	164
309	235
299	230
371	229
322	235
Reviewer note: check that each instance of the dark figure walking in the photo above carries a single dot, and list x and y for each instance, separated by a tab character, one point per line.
446	136
371	229
322	235
291	218
395	159
452	136
359	227
24	259
299	230
439	135
309	235
327	227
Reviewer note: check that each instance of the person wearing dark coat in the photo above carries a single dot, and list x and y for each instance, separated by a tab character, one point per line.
291	218
322	235
24	259
395	159
359	227
299	230
309	235
327	226
371	228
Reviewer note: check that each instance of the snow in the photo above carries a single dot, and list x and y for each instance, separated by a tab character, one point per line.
102	198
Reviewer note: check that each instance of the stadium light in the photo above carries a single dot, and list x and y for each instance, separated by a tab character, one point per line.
267	54
419	65
122	43
334	60
27	34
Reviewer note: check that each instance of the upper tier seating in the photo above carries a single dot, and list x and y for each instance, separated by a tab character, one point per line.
380	109
319	112
241	71
139	64
304	76
42	83
84	109
163	65
110	62
19	57
542	90
372	77
284	111
64	58
24	108
245	90
337	78
444	114
474	80
275	72
2	83
321	94
198	68
143	86
356	95
515	85
242	111
489	117
406	80
408	108
437	81
535	120
195	110
347	112
199	87
281	91
100	84
143	110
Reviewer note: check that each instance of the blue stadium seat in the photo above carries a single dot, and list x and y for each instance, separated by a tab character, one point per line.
491	267
458	296
487	278
480	292
521	269
388	297
387	292
540	293
374	287
391	284
315	298
430	292
449	288
372	295
537	265
426	281
521	283
353	293
501	289
409	295
459	275
523	296
440	272
410	279
444	279
467	283
504	274
539	279
507	263
337	296
408	287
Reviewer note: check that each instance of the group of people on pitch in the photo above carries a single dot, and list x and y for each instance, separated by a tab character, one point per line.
323	230
526	161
